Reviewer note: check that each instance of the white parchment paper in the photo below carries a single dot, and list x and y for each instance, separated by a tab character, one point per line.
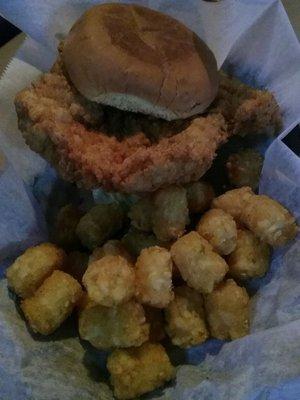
252	39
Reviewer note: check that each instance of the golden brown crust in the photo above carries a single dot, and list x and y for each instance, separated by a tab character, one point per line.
131	50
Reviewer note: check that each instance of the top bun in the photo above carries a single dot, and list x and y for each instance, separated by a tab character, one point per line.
137	59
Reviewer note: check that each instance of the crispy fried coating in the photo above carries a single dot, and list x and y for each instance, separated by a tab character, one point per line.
64	227
155	318
109	281
251	257
219	229
139	370
153	271
244	168
199	196
227	311
100	223
246	110
58	123
110	327
170	213
52	303
265	217
200	267
111	248
30	269
185	320
140	214
135	241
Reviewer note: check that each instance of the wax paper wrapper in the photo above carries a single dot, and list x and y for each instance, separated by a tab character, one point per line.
254	41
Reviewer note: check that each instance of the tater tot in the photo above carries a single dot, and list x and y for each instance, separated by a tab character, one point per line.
251	257
64	228
219	229
135	241
111	248
99	224
269	220
52	303
170	213
139	370
155	318
140	214
153	271
200	267
30	269
77	264
109	327
185	320
233	201
109	281
227	311
244	168
199	196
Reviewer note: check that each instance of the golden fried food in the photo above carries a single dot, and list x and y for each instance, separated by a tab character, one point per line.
109	281
155	318
153	271
111	248
219	229
170	213
64	229
71	133
52	303
246	110
109	327
99	224
77	263
265	217
244	168
233	201
251	257
140	214
200	267
139	370
135	241
199	196
185	319
227	311
30	269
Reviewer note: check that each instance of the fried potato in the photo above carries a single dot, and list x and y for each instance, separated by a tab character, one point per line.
219	229
30	269
244	168
153	271
185	320
110	281
199	196
64	228
52	303
170	213
251	257
200	267
265	217
140	214
99	224
109	327
135	241
111	248
227	311
139	370
155	318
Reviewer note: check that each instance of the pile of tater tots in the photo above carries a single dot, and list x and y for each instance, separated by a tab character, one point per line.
171	267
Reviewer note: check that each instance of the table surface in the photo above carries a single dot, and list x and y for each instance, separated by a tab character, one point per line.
7	51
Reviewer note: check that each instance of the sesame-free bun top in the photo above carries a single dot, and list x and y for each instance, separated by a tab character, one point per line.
137	59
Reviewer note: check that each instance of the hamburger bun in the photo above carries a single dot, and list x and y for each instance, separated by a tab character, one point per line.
137	59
